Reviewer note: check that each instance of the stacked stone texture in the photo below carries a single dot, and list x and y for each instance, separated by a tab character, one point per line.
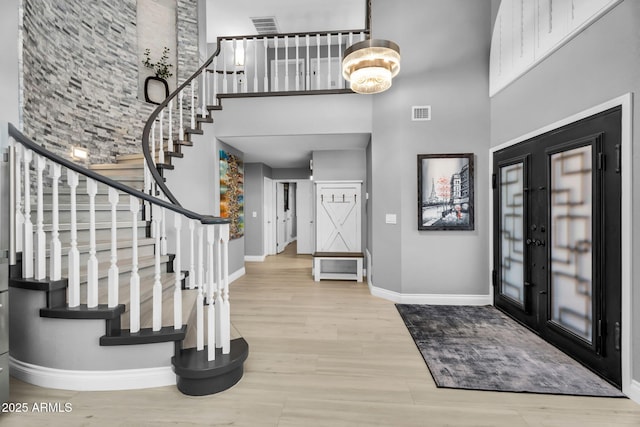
80	74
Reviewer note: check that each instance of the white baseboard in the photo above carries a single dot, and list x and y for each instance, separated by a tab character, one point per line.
126	379
633	391
254	258
433	299
236	275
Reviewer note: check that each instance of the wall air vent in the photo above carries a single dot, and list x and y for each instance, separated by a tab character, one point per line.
421	113
265	24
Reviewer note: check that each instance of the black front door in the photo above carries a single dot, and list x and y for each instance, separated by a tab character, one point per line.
557	241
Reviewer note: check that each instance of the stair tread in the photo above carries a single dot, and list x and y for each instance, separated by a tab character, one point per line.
115	166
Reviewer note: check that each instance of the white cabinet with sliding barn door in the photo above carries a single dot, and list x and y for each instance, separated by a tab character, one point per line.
338	230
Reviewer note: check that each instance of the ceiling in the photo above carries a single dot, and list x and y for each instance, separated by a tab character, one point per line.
233	18
293	151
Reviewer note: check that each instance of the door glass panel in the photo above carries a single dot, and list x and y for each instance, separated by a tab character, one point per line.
571	241
511	232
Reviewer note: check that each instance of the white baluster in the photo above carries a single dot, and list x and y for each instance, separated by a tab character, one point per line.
200	313
234	46
114	272
92	263
200	280
245	81
40	263
163	235
157	285
362	36
223	58
161	142
134	284
297	40
74	254
255	65
276	80
27	241
265	41
177	265
55	255
308	65
317	61
170	136
286	63
180	107
215	80
153	142
19	224
192	256
211	314
204	93
339	54
193	104
226	308
220	287
328	61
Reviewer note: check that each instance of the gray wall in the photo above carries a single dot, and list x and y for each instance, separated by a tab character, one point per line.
445	61
599	64
290	173
81	74
254	174
9	71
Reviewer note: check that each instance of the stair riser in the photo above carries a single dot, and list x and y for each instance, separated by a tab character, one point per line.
104	255
101	234
82	216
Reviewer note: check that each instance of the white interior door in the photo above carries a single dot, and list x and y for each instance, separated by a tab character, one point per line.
281	219
320	78
338	217
305	217
269	217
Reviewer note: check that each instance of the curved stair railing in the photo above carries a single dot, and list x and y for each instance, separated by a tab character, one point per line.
38	237
263	65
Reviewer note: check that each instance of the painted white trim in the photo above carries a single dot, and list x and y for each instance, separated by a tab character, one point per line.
255	258
237	274
633	391
124	379
433	299
629	386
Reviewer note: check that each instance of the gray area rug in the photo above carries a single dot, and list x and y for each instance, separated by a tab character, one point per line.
480	348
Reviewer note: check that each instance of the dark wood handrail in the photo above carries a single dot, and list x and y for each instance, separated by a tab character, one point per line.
283	35
28	143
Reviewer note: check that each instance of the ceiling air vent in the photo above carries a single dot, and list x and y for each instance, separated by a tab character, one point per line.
265	24
421	113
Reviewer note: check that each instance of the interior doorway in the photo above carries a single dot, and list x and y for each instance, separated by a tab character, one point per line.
557	238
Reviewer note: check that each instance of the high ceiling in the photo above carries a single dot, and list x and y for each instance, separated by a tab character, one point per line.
233	18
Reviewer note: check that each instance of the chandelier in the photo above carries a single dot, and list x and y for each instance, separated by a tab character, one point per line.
371	64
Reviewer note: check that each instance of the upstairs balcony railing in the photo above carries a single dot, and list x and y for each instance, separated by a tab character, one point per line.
263	65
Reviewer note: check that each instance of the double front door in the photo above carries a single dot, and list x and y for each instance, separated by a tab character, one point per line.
557	238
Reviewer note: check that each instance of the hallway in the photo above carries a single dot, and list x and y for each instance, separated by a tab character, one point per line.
321	354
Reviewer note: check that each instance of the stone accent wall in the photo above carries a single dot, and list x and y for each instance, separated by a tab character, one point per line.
80	74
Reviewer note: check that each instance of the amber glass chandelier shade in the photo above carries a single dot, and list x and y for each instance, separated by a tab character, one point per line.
370	65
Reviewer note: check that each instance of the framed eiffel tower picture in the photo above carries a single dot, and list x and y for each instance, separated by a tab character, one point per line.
445	191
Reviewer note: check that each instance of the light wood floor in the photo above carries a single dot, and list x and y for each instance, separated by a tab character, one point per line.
321	354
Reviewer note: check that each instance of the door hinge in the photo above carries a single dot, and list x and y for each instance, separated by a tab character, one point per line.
618	158
494	278
600	161
616	336
494	181
5	156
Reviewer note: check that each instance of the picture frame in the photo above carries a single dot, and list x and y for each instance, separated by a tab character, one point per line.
446	191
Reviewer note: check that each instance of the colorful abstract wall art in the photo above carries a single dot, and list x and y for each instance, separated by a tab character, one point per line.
232	192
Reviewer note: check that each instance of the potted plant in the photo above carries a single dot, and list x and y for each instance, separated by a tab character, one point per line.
161	70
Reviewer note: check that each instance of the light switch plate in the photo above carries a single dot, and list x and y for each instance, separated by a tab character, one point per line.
390	219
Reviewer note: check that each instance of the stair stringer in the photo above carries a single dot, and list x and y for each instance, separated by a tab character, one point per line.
66	353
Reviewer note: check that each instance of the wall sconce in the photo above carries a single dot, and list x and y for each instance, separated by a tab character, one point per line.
79	153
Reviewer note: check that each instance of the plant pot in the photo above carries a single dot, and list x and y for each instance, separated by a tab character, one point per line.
156	90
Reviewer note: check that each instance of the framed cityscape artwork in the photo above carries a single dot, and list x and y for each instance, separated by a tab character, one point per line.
445	191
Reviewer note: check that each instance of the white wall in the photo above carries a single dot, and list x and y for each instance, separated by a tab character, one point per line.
445	59
9	71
